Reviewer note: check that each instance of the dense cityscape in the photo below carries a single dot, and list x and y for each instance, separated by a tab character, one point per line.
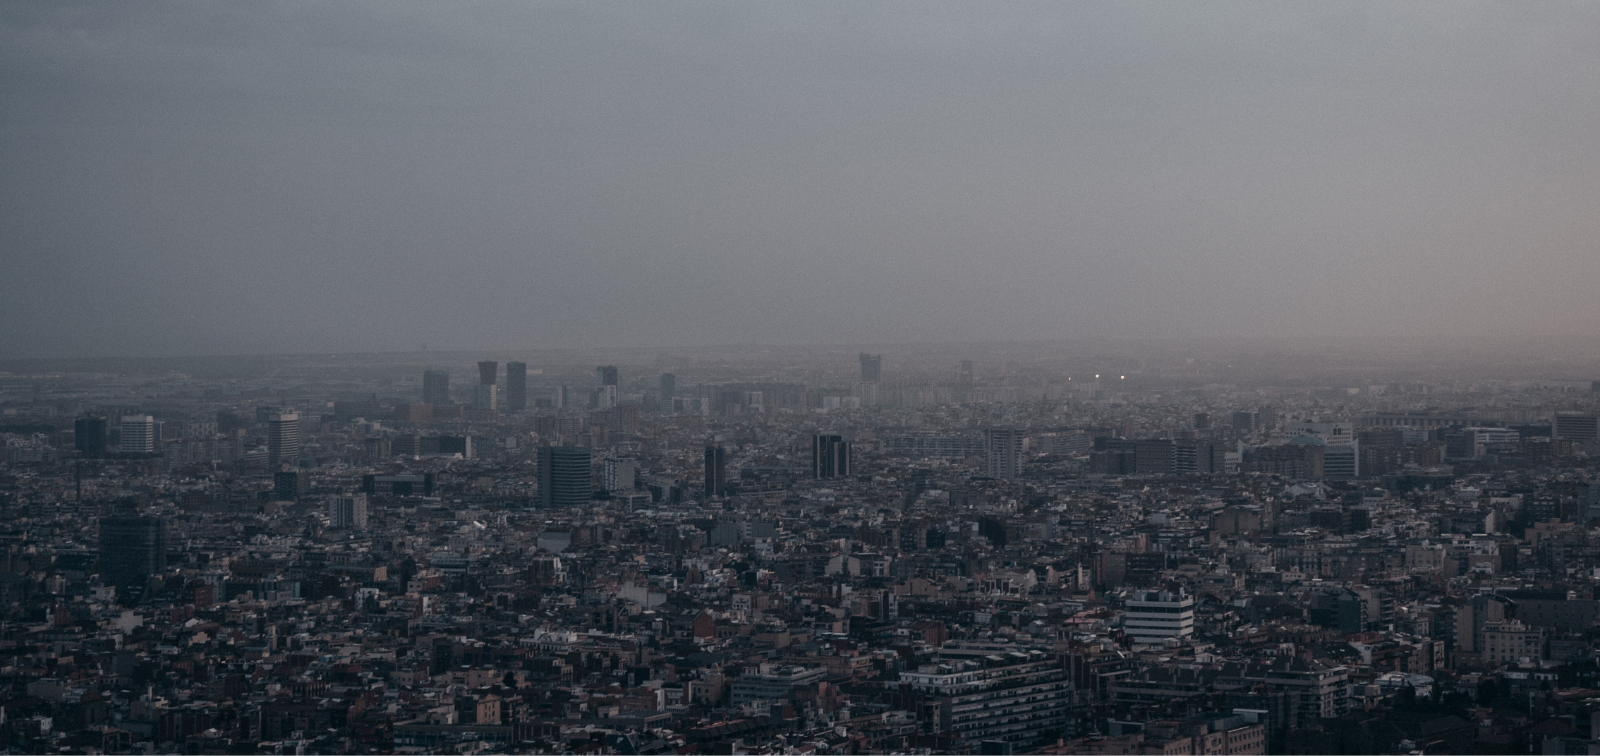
824	552
822	378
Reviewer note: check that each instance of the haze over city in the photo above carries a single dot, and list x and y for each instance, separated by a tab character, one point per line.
815	379
182	179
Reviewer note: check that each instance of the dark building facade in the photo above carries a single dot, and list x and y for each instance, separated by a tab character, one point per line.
871	368
608	374
564	476
830	457
290	485
435	387
716	471
132	548
488	372
89	436
516	386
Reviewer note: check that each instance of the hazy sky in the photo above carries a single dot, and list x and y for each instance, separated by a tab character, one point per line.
282	177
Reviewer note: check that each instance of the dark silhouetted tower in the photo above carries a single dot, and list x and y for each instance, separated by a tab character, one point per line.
830	457
516	386
669	386
435	387
608	374
871	368
132	548
488	370
564	476
89	436
716	471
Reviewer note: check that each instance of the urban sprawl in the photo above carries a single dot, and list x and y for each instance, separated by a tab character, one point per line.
751	553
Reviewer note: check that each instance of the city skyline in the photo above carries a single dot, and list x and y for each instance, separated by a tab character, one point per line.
839	377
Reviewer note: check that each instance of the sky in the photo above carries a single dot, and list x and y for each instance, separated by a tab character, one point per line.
240	178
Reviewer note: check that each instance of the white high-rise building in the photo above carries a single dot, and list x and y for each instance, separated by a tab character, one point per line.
138	435
348	512
484	397
619	474
1004	456
1154	615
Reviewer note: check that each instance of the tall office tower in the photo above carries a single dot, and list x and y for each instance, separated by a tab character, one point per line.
716	471
830	457
871	368
669	387
138	435
564	477
516	386
283	438
89	436
605	397
484	396
608	374
488	370
348	511
1580	427
563	397
1202	421
132	548
435	387
1004	457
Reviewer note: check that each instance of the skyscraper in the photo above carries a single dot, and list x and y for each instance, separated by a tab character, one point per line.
1004	457
89	436
564	476
435	387
138	435
132	548
488	370
716	471
516	398
348	511
283	438
871	368
669	387
485	396
608	374
830	457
